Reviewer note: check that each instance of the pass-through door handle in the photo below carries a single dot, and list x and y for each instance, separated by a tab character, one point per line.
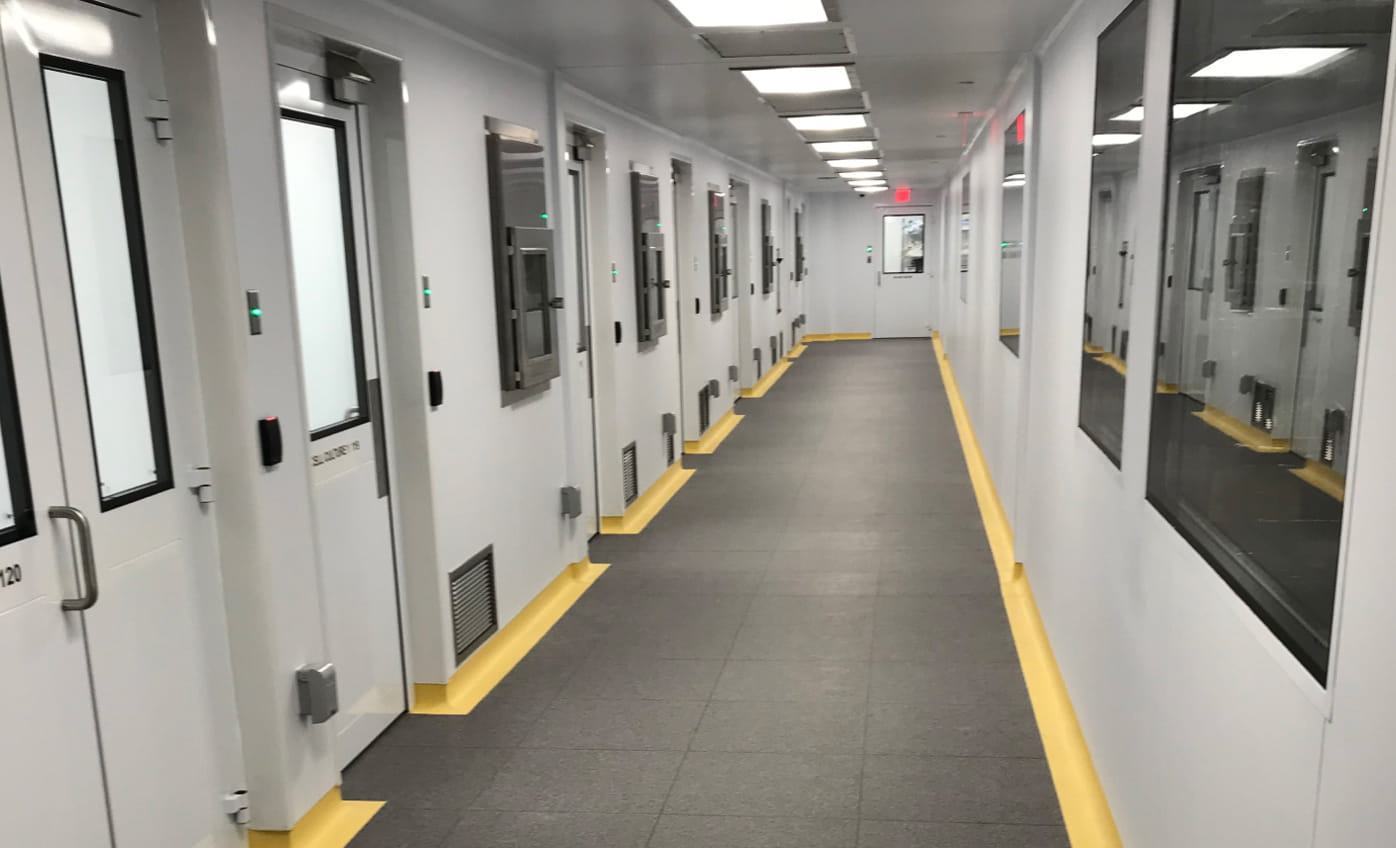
87	596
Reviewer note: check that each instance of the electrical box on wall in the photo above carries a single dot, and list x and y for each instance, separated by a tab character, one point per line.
650	306
799	246
717	241
523	256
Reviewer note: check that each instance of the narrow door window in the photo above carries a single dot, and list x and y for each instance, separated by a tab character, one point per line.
89	126
323	261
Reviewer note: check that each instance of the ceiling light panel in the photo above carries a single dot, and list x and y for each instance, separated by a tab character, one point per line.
1269	62
854	163
843	146
822	123
1113	139
871	189
866	183
746	13
807	80
1180	111
861	175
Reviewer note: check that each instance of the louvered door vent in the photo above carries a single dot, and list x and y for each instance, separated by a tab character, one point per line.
473	614
1335	421
1263	406
629	473
669	456
704	409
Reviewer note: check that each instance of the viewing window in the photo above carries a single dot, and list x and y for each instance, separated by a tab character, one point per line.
323	261
90	129
903	244
964	239
1114	189
1271	178
1012	246
16	501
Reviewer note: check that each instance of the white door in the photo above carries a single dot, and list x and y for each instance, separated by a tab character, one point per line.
126	688
583	390
342	399
907	258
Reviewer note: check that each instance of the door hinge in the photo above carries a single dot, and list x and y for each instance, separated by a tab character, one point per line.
200	481
158	113
237	807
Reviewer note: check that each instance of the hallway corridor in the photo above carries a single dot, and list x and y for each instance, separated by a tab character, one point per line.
806	649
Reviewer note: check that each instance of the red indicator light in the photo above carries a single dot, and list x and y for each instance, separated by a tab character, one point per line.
1022	120
903	195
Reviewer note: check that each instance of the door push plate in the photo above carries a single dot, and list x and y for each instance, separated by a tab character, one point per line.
317	688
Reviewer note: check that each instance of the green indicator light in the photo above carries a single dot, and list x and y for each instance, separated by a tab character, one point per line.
869	248
657	226
426	292
544	216
256	313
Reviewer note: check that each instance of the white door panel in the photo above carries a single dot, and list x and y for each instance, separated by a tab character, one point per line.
902	301
337	338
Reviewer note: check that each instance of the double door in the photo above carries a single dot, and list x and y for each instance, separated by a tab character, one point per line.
116	702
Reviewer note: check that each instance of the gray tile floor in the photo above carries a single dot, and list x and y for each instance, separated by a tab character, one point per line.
806	649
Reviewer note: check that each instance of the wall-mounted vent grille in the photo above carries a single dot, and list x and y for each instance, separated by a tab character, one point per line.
1114	339
1335	424
756	355
1090	325
473	614
1263	406
775	351
669	456
630	475
704	409
1124	345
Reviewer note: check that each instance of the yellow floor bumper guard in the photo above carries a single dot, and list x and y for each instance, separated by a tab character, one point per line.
716	434
331	823
1085	809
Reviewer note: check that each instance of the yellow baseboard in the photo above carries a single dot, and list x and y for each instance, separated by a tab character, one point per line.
716	433
1093	350
1323	478
483	671
1085	809
648	505
1167	388
838	337
1114	362
1251	438
1011	331
331	823
797	351
765	383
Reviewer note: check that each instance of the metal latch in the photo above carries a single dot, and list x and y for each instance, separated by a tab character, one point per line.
317	690
158	113
201	482
236	805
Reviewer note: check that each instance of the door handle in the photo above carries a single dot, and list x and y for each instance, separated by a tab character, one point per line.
88	596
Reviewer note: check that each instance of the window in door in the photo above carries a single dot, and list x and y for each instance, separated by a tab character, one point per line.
16	502
323	261
903	244
89	128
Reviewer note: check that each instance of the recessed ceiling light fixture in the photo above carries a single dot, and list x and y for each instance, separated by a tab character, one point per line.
872	189
822	123
1135	114
744	13
854	163
1267	62
1113	139
843	146
861	175
866	183
810	79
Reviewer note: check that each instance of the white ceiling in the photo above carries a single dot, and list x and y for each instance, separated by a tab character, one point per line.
910	58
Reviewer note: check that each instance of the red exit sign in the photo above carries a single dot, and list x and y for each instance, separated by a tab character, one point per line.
903	195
